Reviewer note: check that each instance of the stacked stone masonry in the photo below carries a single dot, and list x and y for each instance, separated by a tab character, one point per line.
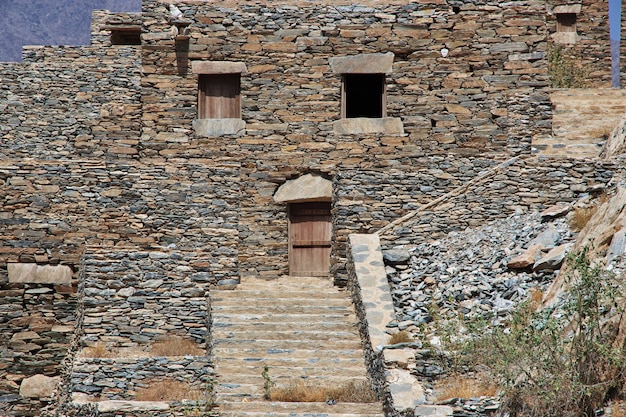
100	162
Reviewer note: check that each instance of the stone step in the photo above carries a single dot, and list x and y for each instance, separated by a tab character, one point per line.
267	408
266	304
283	297
263	334
322	345
221	326
287	379
292	361
231	352
271	308
286	282
287	317
276	371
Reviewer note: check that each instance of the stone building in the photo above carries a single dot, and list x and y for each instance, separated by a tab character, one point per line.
248	139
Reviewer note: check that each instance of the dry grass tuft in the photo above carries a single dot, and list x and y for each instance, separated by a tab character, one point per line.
98	350
463	387
300	391
167	390
536	295
176	346
400	337
618	409
580	217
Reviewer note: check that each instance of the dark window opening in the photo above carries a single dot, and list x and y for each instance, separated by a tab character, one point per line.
126	37
219	96
566	22
364	95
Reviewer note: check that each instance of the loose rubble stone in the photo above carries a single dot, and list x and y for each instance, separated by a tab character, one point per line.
38	386
553	259
526	259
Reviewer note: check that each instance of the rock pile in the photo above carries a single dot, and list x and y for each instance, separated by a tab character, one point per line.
474	273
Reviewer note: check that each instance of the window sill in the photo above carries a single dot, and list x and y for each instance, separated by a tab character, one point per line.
218	127
364	125
565	38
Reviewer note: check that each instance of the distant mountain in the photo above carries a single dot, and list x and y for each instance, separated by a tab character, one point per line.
50	22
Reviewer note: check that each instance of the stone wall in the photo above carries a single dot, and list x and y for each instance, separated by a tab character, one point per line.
368	200
55	208
121	378
591	51
135	298
37	322
489	89
78	102
600	109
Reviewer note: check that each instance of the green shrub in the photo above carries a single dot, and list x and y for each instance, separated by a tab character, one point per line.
559	362
564	71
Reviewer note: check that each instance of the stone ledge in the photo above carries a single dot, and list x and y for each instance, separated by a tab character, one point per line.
362	64
217	127
108	406
404	392
39	274
365	125
218	67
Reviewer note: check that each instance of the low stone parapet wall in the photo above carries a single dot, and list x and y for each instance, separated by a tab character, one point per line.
387	364
119	378
134	298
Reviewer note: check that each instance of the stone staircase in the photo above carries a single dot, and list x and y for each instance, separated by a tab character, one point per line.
301	329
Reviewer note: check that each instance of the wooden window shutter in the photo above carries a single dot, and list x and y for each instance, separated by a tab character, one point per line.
219	96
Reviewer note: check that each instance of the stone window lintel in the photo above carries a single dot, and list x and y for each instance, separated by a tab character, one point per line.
362	64
218	67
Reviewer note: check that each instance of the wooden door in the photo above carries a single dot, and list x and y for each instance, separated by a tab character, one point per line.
310	232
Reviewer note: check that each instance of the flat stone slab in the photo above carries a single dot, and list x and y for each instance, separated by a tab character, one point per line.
553	259
526	259
307	188
38	386
365	125
110	406
434	411
217	127
406	391
39	274
362	64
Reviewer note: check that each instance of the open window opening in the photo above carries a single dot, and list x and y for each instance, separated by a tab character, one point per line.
126	36
219	96
566	22
363	95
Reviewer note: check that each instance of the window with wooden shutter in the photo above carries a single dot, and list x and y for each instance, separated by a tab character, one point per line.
219	96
